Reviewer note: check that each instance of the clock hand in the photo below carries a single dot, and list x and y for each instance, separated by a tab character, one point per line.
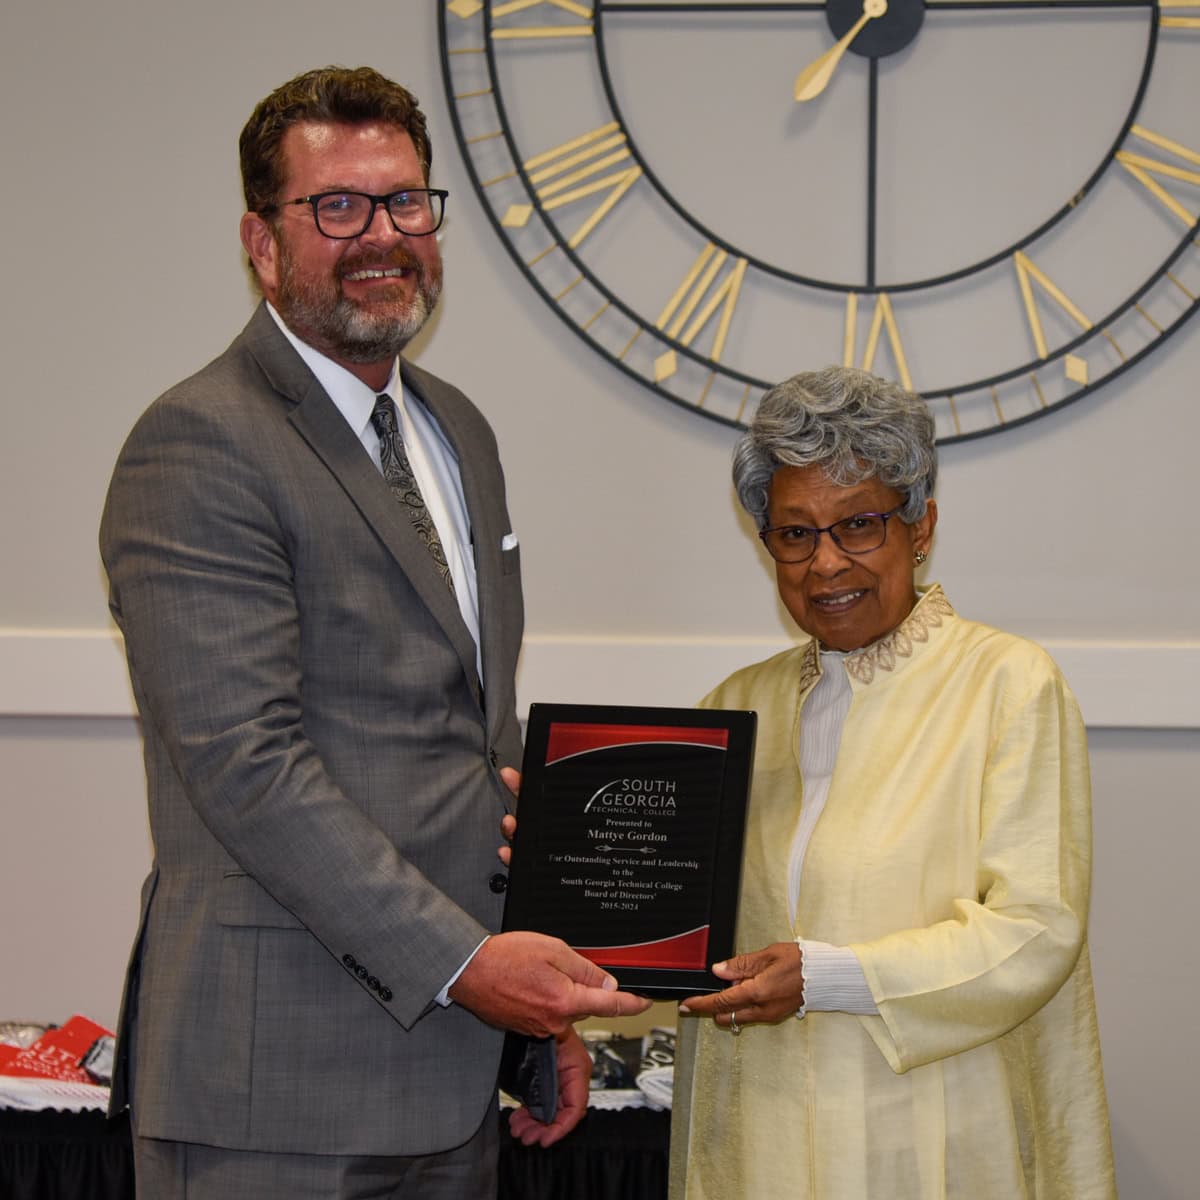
811	82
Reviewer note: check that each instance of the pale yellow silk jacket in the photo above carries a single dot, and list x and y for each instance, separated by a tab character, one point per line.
953	856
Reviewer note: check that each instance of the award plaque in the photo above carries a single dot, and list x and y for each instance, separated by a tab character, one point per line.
629	839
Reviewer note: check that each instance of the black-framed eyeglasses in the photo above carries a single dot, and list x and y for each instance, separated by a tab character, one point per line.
414	211
858	534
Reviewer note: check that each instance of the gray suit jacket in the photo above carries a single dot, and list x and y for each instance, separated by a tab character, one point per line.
322	768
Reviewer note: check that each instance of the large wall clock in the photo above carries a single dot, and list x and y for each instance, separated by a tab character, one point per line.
993	201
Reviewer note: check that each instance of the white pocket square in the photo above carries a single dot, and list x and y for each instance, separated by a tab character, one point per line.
508	541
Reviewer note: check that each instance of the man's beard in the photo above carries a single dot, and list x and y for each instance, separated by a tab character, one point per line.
319	312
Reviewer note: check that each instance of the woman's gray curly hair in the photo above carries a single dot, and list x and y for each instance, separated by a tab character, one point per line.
851	424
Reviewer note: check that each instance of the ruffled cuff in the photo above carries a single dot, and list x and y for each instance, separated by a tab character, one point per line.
833	980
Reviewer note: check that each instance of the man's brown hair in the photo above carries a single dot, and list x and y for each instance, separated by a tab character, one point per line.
334	95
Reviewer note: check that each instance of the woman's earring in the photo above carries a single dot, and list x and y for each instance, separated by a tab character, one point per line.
920	557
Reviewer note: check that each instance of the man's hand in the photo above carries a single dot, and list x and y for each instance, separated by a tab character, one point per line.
769	985
508	828
508	823
574	1078
538	985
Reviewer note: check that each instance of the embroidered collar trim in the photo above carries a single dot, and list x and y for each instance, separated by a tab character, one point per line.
929	613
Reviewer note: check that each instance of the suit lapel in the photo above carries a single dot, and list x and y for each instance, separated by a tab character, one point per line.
482	490
317	420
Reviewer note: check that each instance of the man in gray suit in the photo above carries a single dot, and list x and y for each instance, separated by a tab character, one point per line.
311	561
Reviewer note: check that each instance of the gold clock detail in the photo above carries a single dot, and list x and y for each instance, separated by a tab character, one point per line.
994	201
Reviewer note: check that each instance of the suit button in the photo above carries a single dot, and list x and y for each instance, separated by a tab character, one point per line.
361	971
373	983
385	994
349	962
498	883
493	757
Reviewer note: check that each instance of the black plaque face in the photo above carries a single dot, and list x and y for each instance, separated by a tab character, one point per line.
629	838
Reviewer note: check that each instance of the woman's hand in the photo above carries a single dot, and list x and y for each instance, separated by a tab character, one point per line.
768	985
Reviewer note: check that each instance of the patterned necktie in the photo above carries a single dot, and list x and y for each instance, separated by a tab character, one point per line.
400	478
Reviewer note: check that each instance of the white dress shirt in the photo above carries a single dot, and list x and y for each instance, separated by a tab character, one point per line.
833	976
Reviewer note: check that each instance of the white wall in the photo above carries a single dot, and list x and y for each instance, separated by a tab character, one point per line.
122	274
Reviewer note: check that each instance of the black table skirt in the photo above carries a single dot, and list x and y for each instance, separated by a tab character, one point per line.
84	1156
618	1155
65	1156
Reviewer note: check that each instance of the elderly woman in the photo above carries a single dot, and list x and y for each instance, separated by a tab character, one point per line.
913	1013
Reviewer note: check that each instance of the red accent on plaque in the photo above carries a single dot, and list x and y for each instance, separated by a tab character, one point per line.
568	739
687	952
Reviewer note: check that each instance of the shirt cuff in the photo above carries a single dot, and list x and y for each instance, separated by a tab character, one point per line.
833	980
441	998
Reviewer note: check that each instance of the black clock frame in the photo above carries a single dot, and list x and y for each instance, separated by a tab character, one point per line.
869	288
